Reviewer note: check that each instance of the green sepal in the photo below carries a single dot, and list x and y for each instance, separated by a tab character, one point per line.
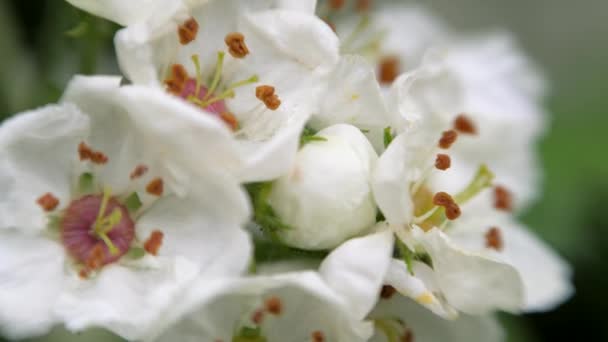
406	254
309	135
264	215
133	202
86	183
136	253
388	136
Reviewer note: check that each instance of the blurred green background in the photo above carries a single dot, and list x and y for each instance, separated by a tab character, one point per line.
44	42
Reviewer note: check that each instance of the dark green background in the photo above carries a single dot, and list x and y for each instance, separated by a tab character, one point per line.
567	38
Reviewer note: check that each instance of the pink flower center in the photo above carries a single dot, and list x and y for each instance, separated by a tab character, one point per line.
78	235
217	107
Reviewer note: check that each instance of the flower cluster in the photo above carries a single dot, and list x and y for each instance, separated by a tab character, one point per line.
279	171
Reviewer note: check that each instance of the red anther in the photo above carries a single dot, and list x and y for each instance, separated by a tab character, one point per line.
258	316
318	336
155	187
48	202
154	242
388	69
443	162
503	199
230	120
452	211
442	199
464	124
236	45
494	239
96	257
447	139
266	94
138	171
187	31
273	305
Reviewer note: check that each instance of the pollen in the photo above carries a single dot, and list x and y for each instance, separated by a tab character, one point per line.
257	317
187	31
236	45
503	199
266	94
155	187
154	242
388	69
443	162
464	124
96	258
494	239
447	139
230	120
176	83
138	171
274	306
387	292
336	4
48	202
318	336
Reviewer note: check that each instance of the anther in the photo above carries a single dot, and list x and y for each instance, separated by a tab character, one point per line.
452	211
336	4
363	5
266	94
230	120
155	187
48	202
464	124
408	336
96	257
258	316
87	153
138	171
273	305
99	158
494	239
442	199
503	199
388	69
447	139
443	162
154	242
187	31
236	45
318	336
179	76
387	292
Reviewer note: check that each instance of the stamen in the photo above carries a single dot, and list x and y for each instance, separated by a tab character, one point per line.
503	199
96	258
199	77
363	5
48	202
494	239
273	305
258	316
138	172
452	211
443	199
318	336
387	292
388	69
154	242
482	179
86	153
175	85
230	120
266	94
187	31
443	162
464	124
335	5
236	45
219	65
155	187
447	139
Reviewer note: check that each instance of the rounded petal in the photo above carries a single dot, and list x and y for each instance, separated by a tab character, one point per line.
38	149
427	327
31	278
356	270
128	300
471	282
125	12
304	298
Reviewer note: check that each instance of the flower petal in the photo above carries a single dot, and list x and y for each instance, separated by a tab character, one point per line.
125	12
38	148
31	278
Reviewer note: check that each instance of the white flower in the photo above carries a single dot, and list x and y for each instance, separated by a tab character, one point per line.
256	65
288	307
114	201
326	197
400	319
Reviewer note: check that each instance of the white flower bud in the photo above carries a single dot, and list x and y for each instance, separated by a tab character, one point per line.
326	197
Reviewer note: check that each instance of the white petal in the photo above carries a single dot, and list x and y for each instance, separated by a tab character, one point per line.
38	149
31	278
203	226
129	301
471	282
305	299
353	97
426	327
418	287
356	270
124	12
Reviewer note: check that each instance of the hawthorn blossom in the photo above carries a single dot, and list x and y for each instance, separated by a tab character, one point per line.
265	308
115	200
258	66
